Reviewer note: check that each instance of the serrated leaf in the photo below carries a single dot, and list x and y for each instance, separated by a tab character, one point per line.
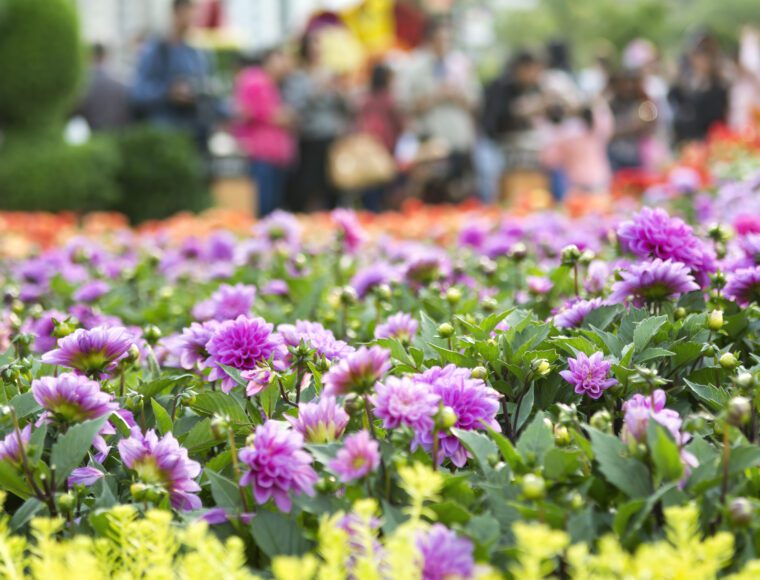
26	512
163	420
11	481
645	331
714	397
479	445
278	535
72	447
536	440
217	403
508	451
24	405
665	453
629	475
560	463
225	491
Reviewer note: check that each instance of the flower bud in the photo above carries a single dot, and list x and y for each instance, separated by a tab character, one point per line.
740	511
220	426
709	350
63	328
353	404
348	296
489	304
138	490
728	361
601	420
66	502
561	436
152	334
446	418
715	320
445	330
745	380
453	295
567	414
586	257
383	291
679	313
541	366
533	487
718	279
570	255
518	252
479	373
739	411
487	266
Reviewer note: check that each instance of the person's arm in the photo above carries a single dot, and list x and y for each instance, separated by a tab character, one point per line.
151	86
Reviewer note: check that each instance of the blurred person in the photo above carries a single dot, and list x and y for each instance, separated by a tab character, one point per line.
744	92
635	118
379	115
440	93
579	149
594	79
700	95
557	79
105	105
265	125
323	114
173	87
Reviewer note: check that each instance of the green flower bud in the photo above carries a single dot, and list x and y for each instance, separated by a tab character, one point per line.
533	487
602	421
541	366
479	373
739	411
487	266
353	404
561	436
489	304
66	502
138	491
570	255
453	295
586	257
383	291
220	426
745	380
740	511
680	313
152	334
348	296
445	330
518	252
728	361
718	279
709	350
446	418
63	328
715	320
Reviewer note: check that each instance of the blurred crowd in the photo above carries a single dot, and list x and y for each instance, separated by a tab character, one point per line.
424	125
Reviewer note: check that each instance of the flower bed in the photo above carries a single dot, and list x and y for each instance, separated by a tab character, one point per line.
442	393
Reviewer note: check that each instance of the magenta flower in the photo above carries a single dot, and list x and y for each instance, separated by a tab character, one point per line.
227	303
71	398
359	456
654	234
190	346
315	336
358	372
473	403
400	326
596	277
42	328
277	465
743	286
373	276
320	422
85	476
242	344
445	555
275	288
575	312
10	449
589	375
91	291
539	285
652	282
92	352
258	380
163	462
404	401
349	229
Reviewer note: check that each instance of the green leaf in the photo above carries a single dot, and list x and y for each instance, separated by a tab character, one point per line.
11	481
26	512
155	387
624	514
278	535
200	437
450	512
665	453
743	458
629	475
536	440
508	452
686	352
72	447
452	356
645	331
479	445
602	317
713	397
225	491
163	420
217	403
560	463
24	405
653	353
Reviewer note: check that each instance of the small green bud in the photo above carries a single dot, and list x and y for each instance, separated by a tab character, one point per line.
576	501
715	320
740	511
445	330
63	328
680	313
479	373
353	404
446	418
739	411
220	426
66	502
533	487
138	491
561	436
348	296
326	485
518	252
745	380
709	350
489	304
453	295
570	255
601	420
567	414
542	367
132	356
718	279
586	257
728	361
487	266
383	291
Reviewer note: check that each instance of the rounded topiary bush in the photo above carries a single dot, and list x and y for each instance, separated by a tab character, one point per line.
40	62
161	173
49	175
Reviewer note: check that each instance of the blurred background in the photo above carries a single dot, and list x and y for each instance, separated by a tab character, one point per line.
151	107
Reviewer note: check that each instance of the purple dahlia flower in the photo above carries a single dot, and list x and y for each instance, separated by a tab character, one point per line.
92	352
10	446
652	233
91	291
349	229
445	555
42	328
359	456
226	303
373	276
400	326
404	401
277	465
71	398
190	346
358	372
472	401
596	277
320	422
575	312
242	344
163	462
85	476
539	285
743	286
750	245
315	336
589	375
651	282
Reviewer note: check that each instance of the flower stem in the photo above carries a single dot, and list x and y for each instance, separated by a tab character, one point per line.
236	469
726	459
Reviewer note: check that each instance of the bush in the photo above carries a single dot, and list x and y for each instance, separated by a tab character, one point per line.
40	62
161	173
53	176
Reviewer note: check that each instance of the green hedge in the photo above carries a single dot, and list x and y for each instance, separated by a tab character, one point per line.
161	173
40	62
47	175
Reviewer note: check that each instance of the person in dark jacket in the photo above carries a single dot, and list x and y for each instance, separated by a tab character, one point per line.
105	105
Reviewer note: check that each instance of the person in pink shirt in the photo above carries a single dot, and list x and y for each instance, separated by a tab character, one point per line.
264	126
579	148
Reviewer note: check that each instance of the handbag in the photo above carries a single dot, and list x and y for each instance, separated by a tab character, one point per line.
360	161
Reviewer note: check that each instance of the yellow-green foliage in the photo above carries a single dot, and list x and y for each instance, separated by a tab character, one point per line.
150	547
